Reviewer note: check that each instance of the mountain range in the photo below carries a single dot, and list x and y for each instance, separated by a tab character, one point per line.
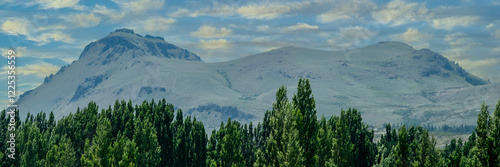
388	82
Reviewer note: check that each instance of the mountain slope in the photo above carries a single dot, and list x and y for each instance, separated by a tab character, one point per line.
388	82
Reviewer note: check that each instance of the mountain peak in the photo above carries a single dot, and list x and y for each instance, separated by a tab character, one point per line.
125	42
393	44
124	30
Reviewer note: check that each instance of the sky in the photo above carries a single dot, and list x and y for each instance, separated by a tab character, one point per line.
48	34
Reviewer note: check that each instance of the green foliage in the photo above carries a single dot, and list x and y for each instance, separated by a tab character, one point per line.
402	151
147	143
306	121
342	147
61	155
150	134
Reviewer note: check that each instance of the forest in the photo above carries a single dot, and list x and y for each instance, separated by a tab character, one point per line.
290	134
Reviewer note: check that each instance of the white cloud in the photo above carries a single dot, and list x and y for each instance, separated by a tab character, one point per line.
495	2
113	15
6	1
19	51
471	64
21	26
414	37
219	11
155	24
398	12
460	51
491	25
261	11
139	6
40	69
496	34
33	52
17	26
82	20
496	50
56	4
352	37
207	31
301	26
448	23
214	44
460	40
356	32
263	28
347	10
264	11
46	38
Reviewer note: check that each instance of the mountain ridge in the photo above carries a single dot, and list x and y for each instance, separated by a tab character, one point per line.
389	81
126	39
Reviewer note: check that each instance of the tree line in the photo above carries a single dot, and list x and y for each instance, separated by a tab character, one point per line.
463	129
155	134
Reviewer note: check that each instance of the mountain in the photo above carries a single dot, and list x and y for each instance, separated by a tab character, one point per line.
387	82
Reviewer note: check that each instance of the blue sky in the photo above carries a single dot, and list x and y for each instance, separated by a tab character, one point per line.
48	34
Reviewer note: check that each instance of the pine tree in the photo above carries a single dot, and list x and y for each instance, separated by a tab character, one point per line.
100	151
495	137
129	157
89	157
147	143
324	143
426	154
303	103
275	143
230	153
61	155
342	146
164	115
482	148
402	150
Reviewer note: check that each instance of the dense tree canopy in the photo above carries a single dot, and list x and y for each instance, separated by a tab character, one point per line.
154	134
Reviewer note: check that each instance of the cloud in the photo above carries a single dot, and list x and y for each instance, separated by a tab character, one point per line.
218	11
461	51
460	40
261	11
471	64
214	44
40	70
113	15
448	23
398	12
301	26
139	6
491	25
155	24
46	38
6	1
20	51
496	34
352	37
270	11
56	4
262	28
413	37
21	26
82	20
207	31
347	10
495	2
17	26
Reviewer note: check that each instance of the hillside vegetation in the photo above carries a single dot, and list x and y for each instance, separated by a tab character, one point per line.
153	134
